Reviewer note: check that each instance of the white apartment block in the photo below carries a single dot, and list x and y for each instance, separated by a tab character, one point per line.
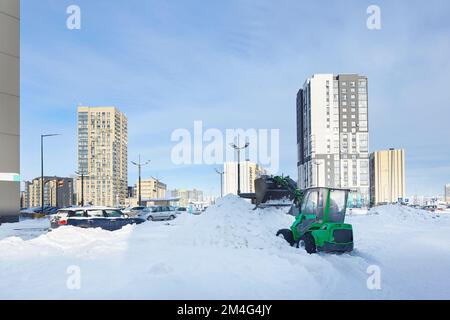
250	171
103	155
333	134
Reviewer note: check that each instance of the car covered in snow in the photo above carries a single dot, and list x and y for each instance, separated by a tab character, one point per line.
134	211
159	213
93	217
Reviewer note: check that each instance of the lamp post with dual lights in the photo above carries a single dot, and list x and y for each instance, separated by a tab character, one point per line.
43	136
221	173
239	148
139	164
83	175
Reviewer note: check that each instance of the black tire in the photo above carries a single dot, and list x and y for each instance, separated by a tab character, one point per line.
309	242
150	218
287	235
171	217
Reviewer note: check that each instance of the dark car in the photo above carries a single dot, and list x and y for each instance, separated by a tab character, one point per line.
93	217
37	212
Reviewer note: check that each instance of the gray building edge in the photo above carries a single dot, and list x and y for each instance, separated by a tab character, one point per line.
9	110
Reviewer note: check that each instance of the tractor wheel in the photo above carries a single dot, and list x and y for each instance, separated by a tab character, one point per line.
309	243
286	234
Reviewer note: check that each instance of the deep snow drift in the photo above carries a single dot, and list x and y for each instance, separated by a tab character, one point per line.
229	252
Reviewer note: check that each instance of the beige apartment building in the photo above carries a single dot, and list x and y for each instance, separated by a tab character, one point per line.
58	192
102	156
387	183
151	189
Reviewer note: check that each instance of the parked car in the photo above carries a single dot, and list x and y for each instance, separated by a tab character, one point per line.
37	212
180	210
134	211
159	213
431	208
93	217
50	210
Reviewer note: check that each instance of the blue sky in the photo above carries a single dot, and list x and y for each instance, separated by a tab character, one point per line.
232	64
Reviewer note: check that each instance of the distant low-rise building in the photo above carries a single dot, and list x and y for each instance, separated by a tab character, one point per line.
187	197
387	170
151	189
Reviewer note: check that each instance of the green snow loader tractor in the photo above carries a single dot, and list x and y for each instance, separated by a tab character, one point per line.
319	226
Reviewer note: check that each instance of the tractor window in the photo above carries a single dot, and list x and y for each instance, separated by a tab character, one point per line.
312	204
337	206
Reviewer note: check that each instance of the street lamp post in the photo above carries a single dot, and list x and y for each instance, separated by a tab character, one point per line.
317	163
42	167
238	148
83	175
221	173
139	164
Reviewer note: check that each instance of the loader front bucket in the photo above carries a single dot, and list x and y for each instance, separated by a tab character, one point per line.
269	191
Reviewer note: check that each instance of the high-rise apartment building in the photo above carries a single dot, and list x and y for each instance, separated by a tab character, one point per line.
387	180
9	110
103	155
333	134
249	171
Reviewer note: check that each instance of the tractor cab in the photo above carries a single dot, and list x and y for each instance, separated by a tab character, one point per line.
320	224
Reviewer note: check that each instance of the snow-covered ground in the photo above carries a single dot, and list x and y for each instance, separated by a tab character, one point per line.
229	252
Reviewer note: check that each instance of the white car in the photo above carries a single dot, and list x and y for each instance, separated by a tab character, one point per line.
158	213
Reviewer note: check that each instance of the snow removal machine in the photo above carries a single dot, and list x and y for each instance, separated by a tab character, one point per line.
320	214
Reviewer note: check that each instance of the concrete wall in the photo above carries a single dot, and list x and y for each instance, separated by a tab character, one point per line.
9	110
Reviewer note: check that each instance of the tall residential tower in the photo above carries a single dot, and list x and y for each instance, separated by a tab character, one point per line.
102	156
387	181
333	134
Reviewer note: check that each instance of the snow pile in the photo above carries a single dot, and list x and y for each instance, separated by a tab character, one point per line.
404	213
233	223
25	229
229	252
